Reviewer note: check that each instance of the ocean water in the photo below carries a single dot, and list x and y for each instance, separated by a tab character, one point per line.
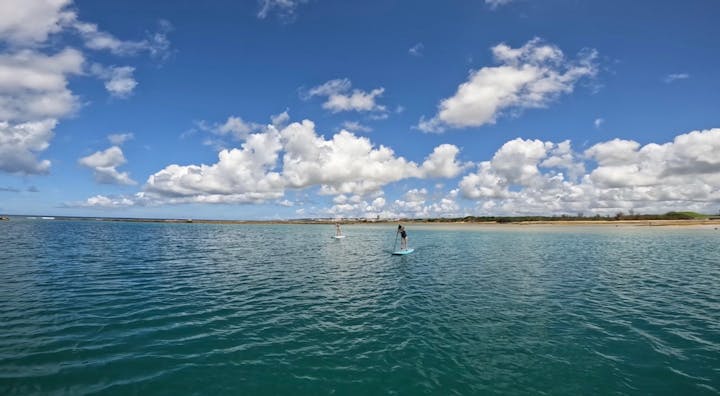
165	309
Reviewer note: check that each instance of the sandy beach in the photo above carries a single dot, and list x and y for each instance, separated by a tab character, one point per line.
432	224
539	225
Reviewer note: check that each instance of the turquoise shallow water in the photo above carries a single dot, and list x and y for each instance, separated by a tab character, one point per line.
132	308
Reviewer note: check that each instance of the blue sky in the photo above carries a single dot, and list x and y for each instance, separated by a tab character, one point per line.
285	109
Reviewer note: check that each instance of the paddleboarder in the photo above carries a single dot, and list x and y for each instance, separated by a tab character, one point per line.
403	237
338	232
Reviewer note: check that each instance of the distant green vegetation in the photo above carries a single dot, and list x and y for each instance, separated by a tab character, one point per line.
688	215
617	216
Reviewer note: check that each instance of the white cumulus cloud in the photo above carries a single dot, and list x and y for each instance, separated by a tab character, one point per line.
340	97
29	22
242	174
524	176
535	177
344	164
156	44
280	120
239	129
356	206
19	144
419	203
118	139
236	127
106	202
354	126
33	95
531	76
119	80
34	85
442	162
34	75
104	164
296	157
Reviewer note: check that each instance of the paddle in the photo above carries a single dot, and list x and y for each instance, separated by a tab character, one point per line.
394	243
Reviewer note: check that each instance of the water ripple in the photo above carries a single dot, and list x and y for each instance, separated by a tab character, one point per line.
125	308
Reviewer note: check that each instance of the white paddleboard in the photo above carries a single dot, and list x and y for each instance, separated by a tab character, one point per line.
338	236
402	252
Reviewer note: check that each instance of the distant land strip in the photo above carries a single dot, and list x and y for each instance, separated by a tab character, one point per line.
670	218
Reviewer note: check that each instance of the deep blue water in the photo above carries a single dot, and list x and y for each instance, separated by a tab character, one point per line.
150	308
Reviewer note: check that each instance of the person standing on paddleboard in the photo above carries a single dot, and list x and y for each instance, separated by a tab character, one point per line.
403	237
338	232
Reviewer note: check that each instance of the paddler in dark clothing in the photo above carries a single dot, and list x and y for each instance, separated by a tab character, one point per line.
403	237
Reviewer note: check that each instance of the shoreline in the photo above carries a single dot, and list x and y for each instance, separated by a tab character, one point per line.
714	223
430	223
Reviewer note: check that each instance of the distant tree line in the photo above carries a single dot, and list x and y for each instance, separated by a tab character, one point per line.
579	217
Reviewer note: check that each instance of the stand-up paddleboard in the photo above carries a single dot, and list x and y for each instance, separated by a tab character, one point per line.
402	252
338	236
